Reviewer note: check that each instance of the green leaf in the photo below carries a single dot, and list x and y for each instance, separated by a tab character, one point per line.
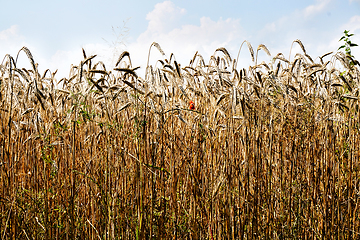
353	45
341	47
342	38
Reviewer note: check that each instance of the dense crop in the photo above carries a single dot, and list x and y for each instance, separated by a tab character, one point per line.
271	151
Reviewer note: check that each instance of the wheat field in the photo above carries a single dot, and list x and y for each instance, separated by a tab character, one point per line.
265	152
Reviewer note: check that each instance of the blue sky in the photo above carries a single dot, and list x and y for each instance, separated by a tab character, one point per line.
56	30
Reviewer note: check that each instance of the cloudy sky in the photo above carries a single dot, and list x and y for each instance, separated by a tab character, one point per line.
55	31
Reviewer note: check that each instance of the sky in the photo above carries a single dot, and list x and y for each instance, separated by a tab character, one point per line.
55	31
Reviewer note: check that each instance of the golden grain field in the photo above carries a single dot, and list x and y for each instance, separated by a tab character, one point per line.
271	151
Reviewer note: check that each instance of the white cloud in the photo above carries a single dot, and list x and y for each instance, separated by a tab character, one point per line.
316	8
9	33
183	41
163	17
353	24
12	39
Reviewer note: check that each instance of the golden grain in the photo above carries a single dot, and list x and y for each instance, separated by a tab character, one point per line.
265	143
